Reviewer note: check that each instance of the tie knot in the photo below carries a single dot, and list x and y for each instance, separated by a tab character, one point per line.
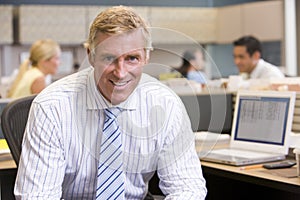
113	112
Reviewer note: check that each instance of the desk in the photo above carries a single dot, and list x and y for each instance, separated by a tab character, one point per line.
223	182
229	182
8	172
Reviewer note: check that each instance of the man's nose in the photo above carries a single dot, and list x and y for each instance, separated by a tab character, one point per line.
237	61
120	68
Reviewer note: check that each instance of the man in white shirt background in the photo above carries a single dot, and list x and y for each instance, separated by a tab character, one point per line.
247	53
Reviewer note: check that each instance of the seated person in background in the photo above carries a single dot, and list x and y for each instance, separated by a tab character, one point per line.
192	66
247	54
102	132
43	60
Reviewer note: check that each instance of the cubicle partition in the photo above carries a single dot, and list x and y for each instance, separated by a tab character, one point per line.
209	111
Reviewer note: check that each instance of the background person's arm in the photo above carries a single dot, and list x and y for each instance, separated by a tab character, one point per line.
38	85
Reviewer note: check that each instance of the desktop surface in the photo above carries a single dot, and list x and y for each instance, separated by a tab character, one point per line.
230	182
223	182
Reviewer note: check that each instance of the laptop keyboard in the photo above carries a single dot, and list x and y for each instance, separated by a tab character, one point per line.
240	153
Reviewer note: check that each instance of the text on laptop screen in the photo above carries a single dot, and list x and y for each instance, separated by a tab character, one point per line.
262	119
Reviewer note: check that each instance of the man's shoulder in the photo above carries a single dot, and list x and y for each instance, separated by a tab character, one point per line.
269	70
266	64
152	84
71	85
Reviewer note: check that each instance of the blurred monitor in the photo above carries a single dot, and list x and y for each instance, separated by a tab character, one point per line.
209	112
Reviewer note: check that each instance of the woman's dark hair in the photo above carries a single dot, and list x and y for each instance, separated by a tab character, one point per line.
186	58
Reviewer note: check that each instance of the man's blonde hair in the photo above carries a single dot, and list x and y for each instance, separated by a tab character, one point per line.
118	20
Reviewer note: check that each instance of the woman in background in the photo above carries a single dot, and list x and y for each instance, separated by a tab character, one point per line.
192	66
43	60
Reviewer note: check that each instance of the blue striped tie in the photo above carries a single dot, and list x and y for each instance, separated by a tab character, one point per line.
110	177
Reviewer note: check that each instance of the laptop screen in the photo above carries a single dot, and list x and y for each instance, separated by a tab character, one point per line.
262	119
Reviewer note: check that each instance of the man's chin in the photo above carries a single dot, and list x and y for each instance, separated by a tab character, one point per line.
242	71
117	99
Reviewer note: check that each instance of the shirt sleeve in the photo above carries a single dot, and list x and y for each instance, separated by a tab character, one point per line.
197	76
41	168
179	167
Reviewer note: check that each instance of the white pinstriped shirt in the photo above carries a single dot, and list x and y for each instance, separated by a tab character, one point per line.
60	150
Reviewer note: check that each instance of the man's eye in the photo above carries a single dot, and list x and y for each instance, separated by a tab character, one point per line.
109	59
132	59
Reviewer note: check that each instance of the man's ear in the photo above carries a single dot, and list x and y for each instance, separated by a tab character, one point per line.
90	56
147	57
256	55
147	60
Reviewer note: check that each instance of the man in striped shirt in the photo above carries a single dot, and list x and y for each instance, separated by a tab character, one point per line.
62	141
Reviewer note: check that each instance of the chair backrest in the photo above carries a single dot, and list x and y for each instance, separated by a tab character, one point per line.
13	123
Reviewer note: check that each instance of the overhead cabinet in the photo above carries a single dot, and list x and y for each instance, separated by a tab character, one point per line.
170	25
65	24
262	19
6	19
183	25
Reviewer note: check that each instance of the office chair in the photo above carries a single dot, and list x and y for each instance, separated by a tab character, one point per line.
13	122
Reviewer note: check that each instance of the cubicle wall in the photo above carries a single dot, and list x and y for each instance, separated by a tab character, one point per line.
6	18
296	119
214	27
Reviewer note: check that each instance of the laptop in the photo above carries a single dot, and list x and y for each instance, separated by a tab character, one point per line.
260	131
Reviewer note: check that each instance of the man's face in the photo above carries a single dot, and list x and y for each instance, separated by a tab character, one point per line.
118	63
243	60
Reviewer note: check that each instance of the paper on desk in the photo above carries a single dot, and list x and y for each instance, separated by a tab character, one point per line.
4	147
